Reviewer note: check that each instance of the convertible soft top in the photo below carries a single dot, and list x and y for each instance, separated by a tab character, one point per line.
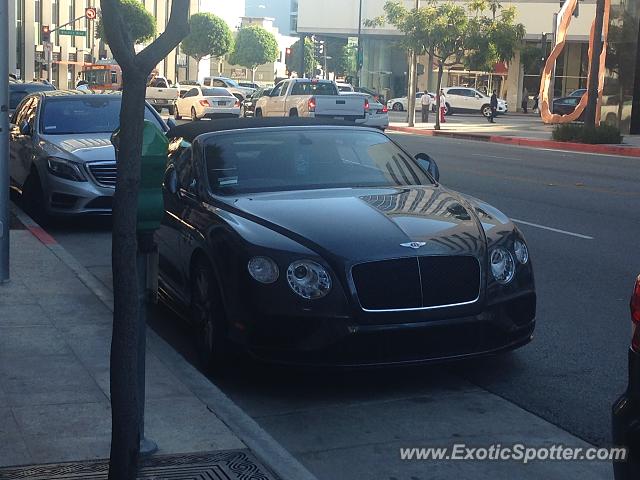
189	131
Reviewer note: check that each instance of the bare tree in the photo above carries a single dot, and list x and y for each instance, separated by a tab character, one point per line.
124	345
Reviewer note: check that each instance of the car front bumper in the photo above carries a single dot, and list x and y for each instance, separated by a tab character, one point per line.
626	423
66	197
341	341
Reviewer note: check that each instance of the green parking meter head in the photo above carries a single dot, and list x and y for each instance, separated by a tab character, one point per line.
153	162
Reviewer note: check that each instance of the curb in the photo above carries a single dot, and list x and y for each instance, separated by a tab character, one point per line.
526	142
260	442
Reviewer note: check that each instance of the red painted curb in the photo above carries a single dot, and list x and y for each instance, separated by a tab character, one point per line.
41	235
526	142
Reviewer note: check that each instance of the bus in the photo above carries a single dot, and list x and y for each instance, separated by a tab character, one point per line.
105	75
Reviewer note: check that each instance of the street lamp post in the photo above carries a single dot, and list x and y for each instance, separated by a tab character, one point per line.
359	54
4	141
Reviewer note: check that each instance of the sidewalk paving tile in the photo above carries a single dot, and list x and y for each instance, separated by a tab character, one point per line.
18	342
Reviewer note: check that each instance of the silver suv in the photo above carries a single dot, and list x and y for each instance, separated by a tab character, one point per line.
61	157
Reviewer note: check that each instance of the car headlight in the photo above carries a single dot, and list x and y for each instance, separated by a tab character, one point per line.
308	279
522	252
65	169
263	269
503	267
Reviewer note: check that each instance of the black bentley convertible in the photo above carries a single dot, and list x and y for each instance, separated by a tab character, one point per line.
308	243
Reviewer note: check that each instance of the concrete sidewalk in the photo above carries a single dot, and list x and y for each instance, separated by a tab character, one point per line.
55	338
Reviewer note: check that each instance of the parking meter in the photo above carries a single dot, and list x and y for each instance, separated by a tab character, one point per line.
154	160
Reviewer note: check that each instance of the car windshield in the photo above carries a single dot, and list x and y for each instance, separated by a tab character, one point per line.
304	159
314	88
84	114
216	92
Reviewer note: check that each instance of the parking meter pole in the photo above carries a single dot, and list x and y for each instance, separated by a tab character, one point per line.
145	257
4	141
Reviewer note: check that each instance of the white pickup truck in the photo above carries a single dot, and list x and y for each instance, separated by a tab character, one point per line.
301	97
160	94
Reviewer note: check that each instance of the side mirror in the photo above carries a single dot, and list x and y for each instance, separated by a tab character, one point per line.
429	164
171	180
25	128
171	123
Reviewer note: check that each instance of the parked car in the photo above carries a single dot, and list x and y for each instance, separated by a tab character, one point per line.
249	104
234	87
377	96
301	97
161	94
566	105
19	90
207	102
344	87
255	86
465	99
400	104
61	157
377	115
578	93
626	410
309	243
611	110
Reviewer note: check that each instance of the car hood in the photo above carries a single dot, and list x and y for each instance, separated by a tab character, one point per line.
82	148
371	223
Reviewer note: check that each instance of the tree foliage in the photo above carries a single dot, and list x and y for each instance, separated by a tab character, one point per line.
209	36
254	46
140	23
310	60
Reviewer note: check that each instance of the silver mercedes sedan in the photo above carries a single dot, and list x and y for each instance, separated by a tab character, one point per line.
61	157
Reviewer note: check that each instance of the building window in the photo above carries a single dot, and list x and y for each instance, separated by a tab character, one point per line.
38	11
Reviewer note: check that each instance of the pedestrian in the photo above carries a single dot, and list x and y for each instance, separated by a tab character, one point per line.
525	101
536	108
494	107
79	80
425	102
443	106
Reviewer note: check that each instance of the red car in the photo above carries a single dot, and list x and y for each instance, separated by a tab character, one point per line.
626	410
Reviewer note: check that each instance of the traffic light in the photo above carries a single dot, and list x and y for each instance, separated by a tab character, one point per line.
45	34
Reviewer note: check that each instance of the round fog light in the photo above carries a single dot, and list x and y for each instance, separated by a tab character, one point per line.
263	269
522	252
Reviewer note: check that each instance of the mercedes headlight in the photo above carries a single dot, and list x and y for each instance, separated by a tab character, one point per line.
263	269
503	267
522	252
308	279
65	169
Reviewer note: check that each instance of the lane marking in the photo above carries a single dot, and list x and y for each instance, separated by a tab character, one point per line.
557	230
490	156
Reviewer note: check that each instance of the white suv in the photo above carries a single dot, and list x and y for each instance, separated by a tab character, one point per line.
465	99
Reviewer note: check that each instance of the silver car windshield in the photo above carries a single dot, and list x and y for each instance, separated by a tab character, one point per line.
84	114
303	159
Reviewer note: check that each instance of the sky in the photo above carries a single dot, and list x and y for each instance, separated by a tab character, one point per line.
229	10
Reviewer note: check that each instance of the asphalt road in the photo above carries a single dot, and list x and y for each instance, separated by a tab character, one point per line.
580	215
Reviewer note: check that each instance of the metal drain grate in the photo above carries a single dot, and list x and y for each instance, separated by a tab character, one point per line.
227	465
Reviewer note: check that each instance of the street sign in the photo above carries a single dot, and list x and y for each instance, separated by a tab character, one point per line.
73	33
91	13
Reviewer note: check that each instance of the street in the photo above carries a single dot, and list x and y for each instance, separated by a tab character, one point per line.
579	213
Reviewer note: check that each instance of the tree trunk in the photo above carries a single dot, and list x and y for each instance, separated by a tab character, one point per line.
438	88
125	436
594	70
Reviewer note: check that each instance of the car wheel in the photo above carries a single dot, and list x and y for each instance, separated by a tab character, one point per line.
611	119
208	315
397	107
486	110
172	110
194	115
258	113
177	114
293	113
33	198
447	109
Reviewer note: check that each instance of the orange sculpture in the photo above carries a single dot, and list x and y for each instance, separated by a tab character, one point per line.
564	20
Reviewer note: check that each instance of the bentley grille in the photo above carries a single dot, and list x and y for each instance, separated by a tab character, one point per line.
417	282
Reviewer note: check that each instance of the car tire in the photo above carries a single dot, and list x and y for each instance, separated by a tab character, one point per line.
486	111
258	113
397	107
194	115
293	113
611	119
447	109
209	319
33	198
158	109
177	114
172	110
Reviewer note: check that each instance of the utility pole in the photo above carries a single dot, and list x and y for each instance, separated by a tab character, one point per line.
413	80
360	56
4	141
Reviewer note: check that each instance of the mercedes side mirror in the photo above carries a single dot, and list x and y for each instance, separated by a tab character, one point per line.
429	164
25	128
171	180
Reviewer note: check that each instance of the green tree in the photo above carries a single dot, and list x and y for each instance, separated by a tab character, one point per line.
310	60
209	36
254	46
125	360
141	25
